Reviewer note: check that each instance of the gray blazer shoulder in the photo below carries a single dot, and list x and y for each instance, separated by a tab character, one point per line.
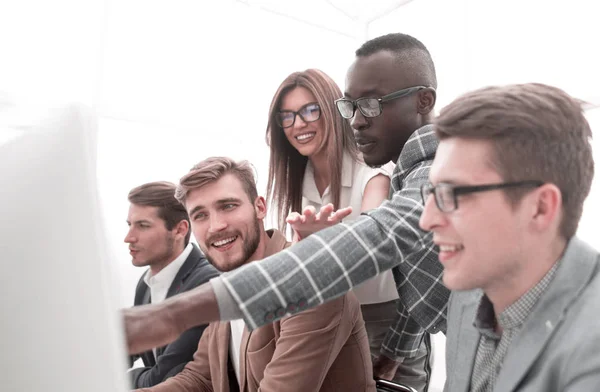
558	346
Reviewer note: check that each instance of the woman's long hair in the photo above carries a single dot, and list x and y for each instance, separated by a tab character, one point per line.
286	164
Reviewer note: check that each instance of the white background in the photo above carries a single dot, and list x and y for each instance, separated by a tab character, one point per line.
176	81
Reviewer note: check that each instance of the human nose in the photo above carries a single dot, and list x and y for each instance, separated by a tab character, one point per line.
216	223
431	216
359	121
299	121
130	237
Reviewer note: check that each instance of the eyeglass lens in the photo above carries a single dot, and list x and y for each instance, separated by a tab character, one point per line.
369	107
308	113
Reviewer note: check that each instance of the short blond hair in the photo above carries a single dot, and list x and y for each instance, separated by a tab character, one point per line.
212	169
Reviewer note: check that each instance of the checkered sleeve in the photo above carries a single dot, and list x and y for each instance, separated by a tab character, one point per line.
329	263
404	336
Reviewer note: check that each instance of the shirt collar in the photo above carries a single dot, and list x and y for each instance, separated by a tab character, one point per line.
515	314
165	276
309	188
275	243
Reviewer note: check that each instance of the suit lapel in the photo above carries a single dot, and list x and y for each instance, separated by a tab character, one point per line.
184	272
574	272
142	297
142	292
467	342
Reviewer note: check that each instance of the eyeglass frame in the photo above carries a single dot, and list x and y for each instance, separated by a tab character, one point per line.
297	113
465	190
386	98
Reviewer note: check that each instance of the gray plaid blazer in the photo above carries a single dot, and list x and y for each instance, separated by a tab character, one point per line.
331	262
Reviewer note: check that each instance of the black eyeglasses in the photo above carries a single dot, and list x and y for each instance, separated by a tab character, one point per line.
308	113
371	107
445	194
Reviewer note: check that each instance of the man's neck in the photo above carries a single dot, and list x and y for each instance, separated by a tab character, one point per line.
259	254
525	276
155	268
425	121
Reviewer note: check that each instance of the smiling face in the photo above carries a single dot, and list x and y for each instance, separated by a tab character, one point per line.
483	242
306	137
226	223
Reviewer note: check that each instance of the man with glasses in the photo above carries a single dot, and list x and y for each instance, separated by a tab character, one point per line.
508	183
392	84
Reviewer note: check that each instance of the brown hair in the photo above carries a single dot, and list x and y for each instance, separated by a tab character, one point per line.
212	169
286	164
537	132
161	194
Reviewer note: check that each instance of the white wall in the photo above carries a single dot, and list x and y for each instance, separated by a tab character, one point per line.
175	82
192	81
476	43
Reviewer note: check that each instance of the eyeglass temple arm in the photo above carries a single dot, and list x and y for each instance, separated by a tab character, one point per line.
401	93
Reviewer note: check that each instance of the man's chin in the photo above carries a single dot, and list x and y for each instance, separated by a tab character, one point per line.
374	162
224	265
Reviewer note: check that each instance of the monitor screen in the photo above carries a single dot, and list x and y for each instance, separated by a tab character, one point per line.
60	328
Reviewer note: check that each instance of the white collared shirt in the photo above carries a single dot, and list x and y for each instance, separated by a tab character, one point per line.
355	176
160	283
235	345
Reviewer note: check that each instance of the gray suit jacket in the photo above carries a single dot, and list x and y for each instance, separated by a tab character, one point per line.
558	347
329	263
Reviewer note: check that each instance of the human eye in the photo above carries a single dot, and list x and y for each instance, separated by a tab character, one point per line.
199	216
229	206
445	194
312	108
368	103
285	116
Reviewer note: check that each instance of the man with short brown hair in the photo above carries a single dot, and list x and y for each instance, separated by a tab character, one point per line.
158	237
508	182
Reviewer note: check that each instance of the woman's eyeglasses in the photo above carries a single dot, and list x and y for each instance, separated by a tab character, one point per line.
308	113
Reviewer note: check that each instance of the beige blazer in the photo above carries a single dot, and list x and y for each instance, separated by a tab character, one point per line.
320	349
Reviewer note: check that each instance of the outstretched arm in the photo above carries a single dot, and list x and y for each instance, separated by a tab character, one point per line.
329	263
156	325
319	268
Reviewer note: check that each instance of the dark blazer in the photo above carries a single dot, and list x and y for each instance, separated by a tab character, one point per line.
195	271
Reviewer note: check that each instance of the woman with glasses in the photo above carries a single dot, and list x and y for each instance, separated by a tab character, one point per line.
314	161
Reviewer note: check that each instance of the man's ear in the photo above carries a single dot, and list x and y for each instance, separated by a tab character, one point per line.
182	228
426	101
260	206
547	208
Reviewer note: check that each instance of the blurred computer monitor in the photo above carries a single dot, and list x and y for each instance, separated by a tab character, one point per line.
60	330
